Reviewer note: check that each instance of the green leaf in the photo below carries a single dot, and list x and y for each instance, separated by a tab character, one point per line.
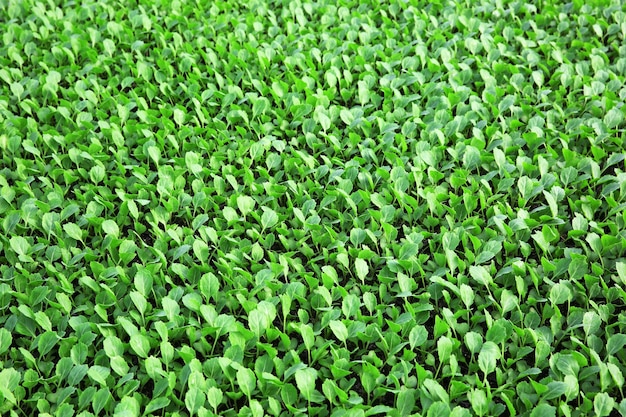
339	330
19	245
155	154
591	322
100	399
43	320
127	407
46	342
170	307
615	343
362	269
73	231
603	404
156	404
99	374
5	340
499	331
444	349
613	118
479	402
215	396
408	250
578	267
260	106
143	281
305	381
308	336
489	251
350	305
77	374
481	275
418	336
621	271
555	390
506	103
246	380
110	228
140	301
9	381
405	401
140	344
245	204
543	410
324	120
467	295
560	293
194	399
269	218
436	391
471	158
346	116
488	357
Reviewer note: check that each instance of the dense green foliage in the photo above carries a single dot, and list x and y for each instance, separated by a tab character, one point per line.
325	208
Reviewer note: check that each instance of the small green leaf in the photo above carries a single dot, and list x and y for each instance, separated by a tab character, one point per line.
215	396
621	271
324	120
603	404
591	322
269	218
9	381
245	204
99	374
613	118
140	301
578	267
543	410
110	228
506	103
615	343
156	404
73	231
19	245
467	295
77	374
246	380
408	250
155	154
339	329
140	344
444	349
5	340
418	336
405	401
362	269
305	381
555	390
488	357
308	336
560	293
260	106
481	275
489	250
143	281
170	307
346	116
479	402
127	407
43	320
194	399
47	341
